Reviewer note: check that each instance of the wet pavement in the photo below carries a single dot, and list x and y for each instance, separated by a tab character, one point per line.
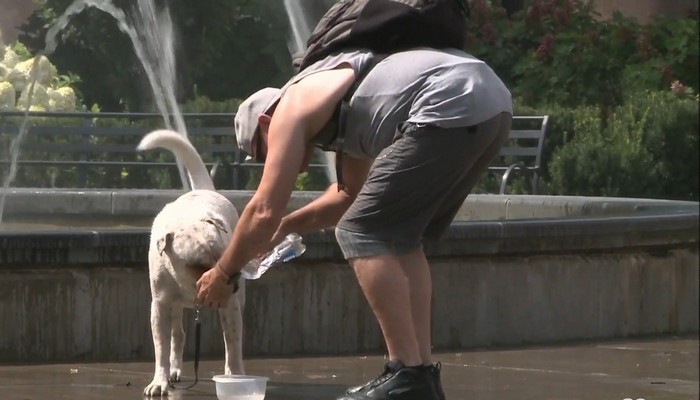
651	369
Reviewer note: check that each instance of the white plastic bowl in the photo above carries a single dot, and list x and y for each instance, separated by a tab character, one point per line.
240	387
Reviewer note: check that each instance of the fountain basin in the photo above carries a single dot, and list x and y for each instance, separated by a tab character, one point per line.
511	270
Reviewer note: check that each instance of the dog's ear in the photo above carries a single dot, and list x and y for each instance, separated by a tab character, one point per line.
217	223
165	243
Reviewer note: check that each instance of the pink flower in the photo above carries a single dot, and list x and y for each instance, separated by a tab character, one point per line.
678	87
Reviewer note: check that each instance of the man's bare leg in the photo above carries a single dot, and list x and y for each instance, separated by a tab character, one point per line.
417	270
388	292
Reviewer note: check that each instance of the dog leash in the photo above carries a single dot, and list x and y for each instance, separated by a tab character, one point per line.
197	340
198	334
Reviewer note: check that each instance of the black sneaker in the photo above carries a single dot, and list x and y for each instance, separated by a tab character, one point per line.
433	371
397	382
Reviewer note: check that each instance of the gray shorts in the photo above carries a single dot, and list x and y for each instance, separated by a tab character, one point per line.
416	186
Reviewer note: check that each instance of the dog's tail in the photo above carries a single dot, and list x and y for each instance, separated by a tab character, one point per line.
184	151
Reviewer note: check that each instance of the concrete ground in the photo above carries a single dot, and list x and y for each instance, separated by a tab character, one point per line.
663	368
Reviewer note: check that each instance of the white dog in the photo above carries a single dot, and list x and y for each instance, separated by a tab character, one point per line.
187	238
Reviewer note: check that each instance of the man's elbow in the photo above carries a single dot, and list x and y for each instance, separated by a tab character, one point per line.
264	217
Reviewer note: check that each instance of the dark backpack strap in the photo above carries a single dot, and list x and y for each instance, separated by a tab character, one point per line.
340	141
344	108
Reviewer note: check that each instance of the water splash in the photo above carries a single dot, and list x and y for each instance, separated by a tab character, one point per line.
151	33
301	31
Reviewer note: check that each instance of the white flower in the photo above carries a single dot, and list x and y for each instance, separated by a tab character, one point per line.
10	58
17	79
62	99
7	96
45	70
39	98
37	108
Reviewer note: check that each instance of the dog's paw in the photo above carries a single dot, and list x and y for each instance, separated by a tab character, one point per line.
157	388
175	374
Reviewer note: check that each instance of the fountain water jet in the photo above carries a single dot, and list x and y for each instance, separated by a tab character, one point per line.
299	25
16	142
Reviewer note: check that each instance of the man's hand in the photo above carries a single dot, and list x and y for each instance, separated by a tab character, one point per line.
278	237
212	288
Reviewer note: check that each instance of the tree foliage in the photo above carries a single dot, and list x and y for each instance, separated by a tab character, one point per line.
562	52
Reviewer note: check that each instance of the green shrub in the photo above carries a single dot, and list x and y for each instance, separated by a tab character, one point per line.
589	167
646	148
561	126
203	104
676	41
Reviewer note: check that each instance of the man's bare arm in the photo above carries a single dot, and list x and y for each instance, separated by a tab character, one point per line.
303	110
327	209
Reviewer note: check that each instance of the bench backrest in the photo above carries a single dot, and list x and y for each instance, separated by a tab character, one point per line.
81	146
85	133
84	141
525	142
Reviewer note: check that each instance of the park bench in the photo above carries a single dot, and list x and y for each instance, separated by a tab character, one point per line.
522	152
85	142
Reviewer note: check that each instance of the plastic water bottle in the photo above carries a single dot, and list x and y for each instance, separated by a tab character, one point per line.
290	248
